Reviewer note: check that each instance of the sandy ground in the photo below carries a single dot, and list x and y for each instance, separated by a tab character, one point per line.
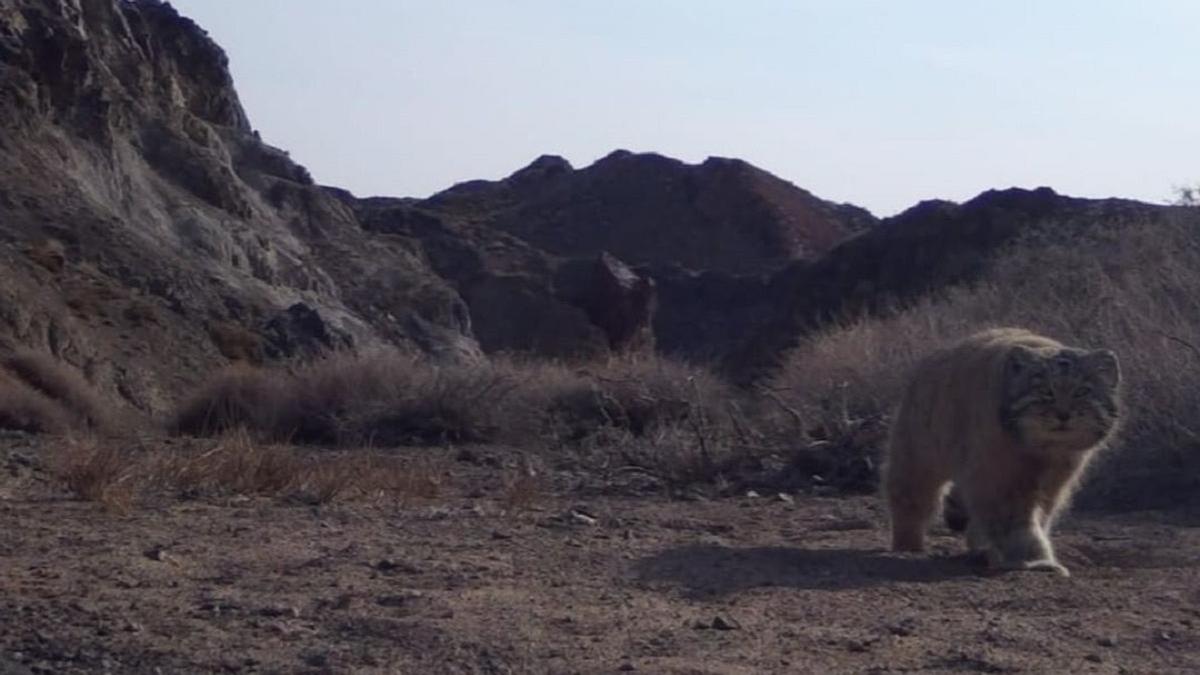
569	584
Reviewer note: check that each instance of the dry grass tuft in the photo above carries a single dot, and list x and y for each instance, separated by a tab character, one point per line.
118	477
97	471
239	397
523	486
425	404
23	409
79	405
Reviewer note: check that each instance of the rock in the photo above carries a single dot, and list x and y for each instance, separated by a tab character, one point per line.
157	553
399	599
286	611
618	300
582	518
390	565
299	331
725	623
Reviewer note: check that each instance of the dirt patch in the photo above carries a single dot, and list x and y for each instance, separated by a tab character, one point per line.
464	583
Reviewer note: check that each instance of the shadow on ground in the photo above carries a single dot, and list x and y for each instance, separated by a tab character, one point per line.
707	570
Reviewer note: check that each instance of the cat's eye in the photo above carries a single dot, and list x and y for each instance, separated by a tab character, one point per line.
1080	392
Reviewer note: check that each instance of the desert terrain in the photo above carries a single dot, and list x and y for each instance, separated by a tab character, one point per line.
467	579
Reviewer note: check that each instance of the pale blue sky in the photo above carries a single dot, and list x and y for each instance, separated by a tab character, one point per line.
879	103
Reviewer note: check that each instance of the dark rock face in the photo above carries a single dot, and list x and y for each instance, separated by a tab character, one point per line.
617	299
300	331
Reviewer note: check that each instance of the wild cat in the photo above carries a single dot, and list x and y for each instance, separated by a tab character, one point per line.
1011	418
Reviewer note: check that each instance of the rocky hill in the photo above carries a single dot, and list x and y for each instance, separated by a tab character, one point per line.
148	235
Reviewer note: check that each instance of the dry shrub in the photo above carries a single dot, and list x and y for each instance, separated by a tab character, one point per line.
238	465
404	481
389	399
239	397
673	422
236	342
636	394
23	409
97	471
1133	287
523	486
382	399
61	385
235	465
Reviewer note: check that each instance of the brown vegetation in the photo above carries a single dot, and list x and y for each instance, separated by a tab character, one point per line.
41	395
118	474
239	397
61	384
23	409
96	471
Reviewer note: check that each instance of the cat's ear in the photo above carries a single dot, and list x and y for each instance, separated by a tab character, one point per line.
1103	363
1021	362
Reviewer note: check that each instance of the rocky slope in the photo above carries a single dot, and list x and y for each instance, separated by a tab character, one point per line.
148	235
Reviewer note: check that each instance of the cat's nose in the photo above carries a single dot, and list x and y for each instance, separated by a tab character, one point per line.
1062	416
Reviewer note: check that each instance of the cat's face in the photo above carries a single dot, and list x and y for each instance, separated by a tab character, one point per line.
1063	400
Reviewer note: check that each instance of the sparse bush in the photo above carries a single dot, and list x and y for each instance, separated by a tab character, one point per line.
390	399
1187	195
117	476
65	387
636	394
387	399
96	471
23	409
240	397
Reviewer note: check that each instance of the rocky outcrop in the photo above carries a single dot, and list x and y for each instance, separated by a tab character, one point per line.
148	235
617	299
